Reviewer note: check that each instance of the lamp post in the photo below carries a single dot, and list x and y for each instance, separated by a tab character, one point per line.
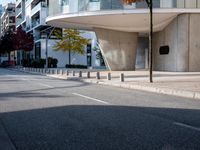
150	6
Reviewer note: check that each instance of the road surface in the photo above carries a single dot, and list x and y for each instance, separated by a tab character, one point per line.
43	113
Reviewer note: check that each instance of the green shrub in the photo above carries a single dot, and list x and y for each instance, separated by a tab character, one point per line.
76	66
52	62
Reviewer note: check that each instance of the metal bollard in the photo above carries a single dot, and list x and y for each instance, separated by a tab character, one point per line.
109	76
98	75
74	73
122	77
88	74
67	72
80	74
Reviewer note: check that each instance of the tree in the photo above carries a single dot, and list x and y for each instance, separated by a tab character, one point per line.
23	41
99	55
71	41
7	43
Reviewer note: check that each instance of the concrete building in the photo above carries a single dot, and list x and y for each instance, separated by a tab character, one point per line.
1	12
31	15
8	18
8	23
122	30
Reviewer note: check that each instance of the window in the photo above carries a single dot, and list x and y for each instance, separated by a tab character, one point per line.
164	50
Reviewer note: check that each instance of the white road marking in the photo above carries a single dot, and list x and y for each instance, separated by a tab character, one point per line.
87	97
46	85
187	126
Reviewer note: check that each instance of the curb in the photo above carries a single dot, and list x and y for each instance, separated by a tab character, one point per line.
166	91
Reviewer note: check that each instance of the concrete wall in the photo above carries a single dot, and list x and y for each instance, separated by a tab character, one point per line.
119	48
182	36
194	42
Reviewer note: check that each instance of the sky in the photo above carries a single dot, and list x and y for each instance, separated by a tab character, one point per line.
4	2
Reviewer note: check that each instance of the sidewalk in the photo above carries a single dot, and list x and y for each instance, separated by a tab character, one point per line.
184	84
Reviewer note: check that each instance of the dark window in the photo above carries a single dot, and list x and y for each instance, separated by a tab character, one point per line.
38	50
89	48
89	57
164	50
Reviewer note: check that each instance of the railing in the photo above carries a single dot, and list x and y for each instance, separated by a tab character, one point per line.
38	7
96	5
35	23
18	10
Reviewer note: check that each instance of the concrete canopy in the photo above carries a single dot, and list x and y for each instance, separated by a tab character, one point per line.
121	20
117	30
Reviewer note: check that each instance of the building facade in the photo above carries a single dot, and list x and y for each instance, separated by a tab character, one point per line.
122	29
8	18
31	15
8	23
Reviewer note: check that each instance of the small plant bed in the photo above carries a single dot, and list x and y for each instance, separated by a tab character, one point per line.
76	66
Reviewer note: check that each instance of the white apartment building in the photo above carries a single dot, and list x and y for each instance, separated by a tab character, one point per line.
31	15
8	23
8	18
122	29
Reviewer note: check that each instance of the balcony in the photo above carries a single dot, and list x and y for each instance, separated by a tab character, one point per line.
19	21
42	6
35	23
18	11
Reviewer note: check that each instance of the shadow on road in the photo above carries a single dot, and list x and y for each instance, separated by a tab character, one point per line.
103	128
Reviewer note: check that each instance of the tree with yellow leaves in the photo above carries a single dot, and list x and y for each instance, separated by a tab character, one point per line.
71	41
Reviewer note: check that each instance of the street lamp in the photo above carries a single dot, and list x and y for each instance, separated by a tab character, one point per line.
49	32
150	5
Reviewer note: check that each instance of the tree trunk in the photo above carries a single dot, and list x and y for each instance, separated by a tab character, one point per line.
9	56
69	57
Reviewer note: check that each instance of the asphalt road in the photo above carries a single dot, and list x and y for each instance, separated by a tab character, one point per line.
43	113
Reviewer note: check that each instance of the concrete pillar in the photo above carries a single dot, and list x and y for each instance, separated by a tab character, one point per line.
118	48
194	42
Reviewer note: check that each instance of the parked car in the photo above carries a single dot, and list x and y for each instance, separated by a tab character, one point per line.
6	63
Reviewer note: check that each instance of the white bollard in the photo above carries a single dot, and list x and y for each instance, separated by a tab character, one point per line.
61	72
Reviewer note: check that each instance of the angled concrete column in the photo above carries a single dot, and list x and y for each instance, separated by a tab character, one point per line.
119	48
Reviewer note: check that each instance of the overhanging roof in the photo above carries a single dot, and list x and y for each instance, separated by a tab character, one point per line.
123	20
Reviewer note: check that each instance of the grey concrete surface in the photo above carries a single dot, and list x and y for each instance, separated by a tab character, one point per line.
45	113
183	84
119	48
182	36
